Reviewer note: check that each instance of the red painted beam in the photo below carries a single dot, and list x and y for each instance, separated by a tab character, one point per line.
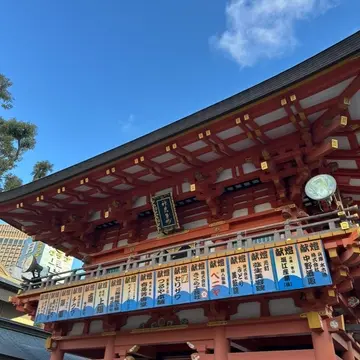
320	151
25	217
352	89
345	155
321	106
343	101
350	189
348	173
155	168
338	123
222	146
186	156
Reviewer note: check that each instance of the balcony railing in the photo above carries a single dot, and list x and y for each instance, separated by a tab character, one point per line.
289	229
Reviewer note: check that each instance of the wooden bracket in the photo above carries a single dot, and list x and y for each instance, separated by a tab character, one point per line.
314	321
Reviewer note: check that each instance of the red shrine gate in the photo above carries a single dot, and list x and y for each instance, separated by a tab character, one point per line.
199	240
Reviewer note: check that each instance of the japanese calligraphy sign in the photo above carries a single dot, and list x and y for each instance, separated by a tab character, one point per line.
76	302
65	296
285	267
101	298
42	308
181	284
52	310
115	295
130	295
146	290
262	271
55	260
218	278
199	281
163	287
313	264
240	277
165	213
88	300
288	271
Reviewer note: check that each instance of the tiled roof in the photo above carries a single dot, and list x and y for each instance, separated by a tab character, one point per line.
25	342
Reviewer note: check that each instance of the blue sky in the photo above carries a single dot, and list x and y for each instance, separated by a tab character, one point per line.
94	74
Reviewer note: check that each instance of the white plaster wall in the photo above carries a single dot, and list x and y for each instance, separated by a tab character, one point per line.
240	213
108	246
283	307
262	207
134	322
248	310
96	326
77	329
194	316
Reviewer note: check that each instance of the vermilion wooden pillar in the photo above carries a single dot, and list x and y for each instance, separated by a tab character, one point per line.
221	344
110	349
323	344
349	354
57	355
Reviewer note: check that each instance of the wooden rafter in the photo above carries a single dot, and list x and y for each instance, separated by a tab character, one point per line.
270	167
218	146
155	168
103	188
300	111
185	157
338	123
256	131
291	116
325	120
320	151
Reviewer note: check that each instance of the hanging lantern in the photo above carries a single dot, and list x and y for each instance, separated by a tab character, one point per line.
322	189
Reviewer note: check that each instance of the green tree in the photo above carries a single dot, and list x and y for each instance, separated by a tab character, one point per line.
16	138
41	169
5	96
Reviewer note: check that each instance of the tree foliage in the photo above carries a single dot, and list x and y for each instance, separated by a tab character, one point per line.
5	95
11	181
41	169
16	138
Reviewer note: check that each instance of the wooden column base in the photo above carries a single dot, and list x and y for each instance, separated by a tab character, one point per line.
349	354
323	344
221	344
110	349
57	355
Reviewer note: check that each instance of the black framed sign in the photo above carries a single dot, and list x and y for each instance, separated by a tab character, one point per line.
165	213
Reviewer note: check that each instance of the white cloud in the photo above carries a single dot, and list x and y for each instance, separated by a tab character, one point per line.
265	28
128	124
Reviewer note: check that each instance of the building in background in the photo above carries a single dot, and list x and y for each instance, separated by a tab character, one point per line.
11	243
52	261
16	247
9	287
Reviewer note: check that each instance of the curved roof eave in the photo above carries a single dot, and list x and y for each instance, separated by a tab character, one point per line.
327	58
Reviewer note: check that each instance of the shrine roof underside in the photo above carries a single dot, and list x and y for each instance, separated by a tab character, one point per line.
303	121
